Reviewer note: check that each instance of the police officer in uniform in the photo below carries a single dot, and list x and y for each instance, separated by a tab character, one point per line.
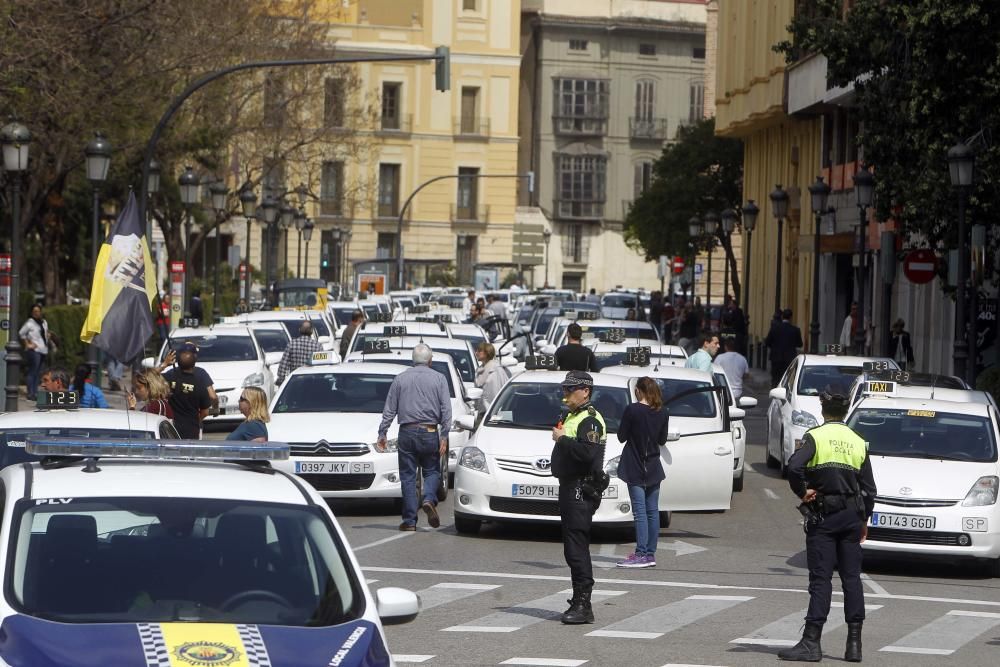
577	461
832	475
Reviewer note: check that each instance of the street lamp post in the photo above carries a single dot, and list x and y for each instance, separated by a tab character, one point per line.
547	236
338	249
976	246
818	194
961	165
14	139
307	232
287	220
779	208
248	201
300	223
750	213
711	227
269	206
728	225
864	190
98	154
219	195
189	184
694	230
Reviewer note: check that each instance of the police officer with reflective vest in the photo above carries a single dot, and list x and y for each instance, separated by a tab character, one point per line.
577	461
832	475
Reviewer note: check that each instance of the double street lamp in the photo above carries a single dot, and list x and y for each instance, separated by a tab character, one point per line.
300	225
864	191
190	184
248	202
729	218
269	209
220	193
819	192
961	167
14	139
779	208
546	237
307	232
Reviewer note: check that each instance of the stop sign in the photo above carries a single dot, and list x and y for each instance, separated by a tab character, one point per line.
921	266
678	265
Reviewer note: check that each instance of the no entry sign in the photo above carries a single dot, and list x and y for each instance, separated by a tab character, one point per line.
921	266
678	265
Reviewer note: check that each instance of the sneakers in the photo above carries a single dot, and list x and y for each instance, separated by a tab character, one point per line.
432	515
634	560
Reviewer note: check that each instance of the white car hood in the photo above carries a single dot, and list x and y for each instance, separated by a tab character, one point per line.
330	426
927	478
230	374
517	442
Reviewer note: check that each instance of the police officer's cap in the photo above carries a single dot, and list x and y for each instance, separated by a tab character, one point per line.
834	398
577	379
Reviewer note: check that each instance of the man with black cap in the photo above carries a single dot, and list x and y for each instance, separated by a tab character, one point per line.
832	475
191	390
577	461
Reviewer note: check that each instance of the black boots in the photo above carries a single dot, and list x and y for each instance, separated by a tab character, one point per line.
853	651
808	648
579	611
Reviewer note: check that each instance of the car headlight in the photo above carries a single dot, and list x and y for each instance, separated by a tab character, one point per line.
804	419
254	380
390	445
611	467
983	492
473	459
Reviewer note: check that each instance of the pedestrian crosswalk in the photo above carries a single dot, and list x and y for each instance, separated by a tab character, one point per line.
641	614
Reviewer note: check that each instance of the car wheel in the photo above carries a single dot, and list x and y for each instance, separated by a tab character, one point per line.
769	460
738	483
665	518
781	453
467	526
995	567
443	485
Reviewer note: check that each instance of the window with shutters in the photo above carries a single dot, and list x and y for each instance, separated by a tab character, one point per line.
696	110
581	183
577	45
385	245
469	120
331	195
333	103
581	106
575	244
388	190
391	99
468	194
643	177
644	100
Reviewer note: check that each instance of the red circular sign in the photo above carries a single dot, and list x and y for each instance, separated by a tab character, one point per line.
678	264
921	266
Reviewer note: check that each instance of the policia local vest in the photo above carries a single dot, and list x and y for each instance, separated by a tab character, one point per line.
564	463
572	422
833	470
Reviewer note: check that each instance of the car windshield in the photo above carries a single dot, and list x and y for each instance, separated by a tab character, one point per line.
220	348
700	405
406	302
451	300
618	301
333	392
925	434
271	340
544	320
440	366
319	326
343	315
12	439
538	405
370	311
524	315
298	297
128	560
814	379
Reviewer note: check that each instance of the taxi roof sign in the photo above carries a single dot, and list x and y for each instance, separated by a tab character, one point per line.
322	358
374	345
832	348
880	388
58	400
637	356
541	362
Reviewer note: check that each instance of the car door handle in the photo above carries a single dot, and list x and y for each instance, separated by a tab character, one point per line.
722	451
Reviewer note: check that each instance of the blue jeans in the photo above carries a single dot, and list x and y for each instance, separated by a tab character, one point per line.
35	361
646	511
418	448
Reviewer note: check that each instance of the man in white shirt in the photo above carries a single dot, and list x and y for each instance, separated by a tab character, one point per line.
736	367
470	299
702	359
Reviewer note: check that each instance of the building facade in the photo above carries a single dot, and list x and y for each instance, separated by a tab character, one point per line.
604	85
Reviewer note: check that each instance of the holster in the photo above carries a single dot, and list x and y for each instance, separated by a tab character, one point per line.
811	513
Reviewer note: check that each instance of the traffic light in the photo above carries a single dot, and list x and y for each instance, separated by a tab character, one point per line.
442	68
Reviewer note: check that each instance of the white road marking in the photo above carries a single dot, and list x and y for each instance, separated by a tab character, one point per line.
876	588
411	658
668	584
787	630
677	664
654	623
680	548
443	593
771	494
946	634
522	615
545	662
383	541
371	581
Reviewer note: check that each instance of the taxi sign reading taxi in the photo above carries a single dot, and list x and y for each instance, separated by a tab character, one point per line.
921	266
880	387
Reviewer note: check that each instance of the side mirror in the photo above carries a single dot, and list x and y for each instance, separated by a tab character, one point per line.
466	422
778	394
747	402
737	413
396	605
149	362
474	393
673	436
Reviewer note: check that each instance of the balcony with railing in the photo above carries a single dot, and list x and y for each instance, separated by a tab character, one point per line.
477	214
651	129
472	128
590	123
577	209
331	206
395	125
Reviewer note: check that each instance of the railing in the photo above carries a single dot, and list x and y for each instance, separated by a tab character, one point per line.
333	206
648	128
398	124
470	127
470	213
588	210
592	124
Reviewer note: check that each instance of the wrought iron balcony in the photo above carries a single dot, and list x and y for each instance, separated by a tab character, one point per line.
398	124
471	127
648	128
479	213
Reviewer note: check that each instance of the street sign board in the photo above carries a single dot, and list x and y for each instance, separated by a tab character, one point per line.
663	267
528	244
698	269
921	266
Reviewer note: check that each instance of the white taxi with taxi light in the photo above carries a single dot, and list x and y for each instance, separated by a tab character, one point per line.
937	474
375	330
738	426
291	320
179	553
795	408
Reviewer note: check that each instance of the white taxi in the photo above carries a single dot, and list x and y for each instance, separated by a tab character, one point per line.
291	320
177	553
375	330
738	425
937	475
794	407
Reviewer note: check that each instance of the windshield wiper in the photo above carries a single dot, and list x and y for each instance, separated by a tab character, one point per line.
512	424
912	454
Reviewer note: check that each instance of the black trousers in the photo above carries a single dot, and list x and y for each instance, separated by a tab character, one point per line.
576	515
835	542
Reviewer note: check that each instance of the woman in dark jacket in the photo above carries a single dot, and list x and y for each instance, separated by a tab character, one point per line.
643	429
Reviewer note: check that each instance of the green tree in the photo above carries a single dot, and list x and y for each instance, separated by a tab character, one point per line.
697	174
926	75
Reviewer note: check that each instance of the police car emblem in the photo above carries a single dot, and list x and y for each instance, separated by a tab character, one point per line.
206	654
543	464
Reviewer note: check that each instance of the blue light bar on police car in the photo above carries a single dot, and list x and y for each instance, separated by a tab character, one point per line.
157	449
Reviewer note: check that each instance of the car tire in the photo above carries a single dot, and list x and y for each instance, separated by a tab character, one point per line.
995	568
397	505
738	483
769	460
467	526
665	518
442	493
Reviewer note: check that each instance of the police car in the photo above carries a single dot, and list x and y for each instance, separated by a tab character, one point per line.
937	474
58	414
127	553
794	407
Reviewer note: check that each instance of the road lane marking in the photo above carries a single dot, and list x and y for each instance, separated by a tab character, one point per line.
606	557
383	541
946	634
528	613
654	623
787	630
446	592
545	662
876	588
668	584
404	658
771	494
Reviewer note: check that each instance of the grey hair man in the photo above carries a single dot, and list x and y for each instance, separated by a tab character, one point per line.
419	400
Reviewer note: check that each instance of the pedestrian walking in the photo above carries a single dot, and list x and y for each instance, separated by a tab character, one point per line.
656	308
191	390
35	338
850	328
643	429
299	351
418	399
900	348
702	359
253	406
574	355
357	317
577	457
195	308
784	340
832	475
490	376
736	367
90	395
149	387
